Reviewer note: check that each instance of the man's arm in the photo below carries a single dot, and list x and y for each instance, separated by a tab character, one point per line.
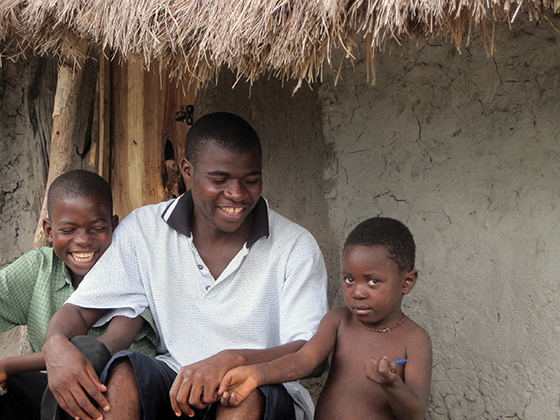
70	373
187	389
408	399
238	383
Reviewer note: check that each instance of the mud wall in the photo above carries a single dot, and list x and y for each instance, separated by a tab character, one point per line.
26	101
465	150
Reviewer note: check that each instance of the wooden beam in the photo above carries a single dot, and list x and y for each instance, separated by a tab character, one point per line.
69	81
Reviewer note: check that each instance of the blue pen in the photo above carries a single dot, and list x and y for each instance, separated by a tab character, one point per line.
400	362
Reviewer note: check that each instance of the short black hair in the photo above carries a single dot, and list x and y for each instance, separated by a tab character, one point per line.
227	130
79	183
387	232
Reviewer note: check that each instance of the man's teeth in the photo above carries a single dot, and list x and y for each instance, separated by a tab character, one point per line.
83	257
232	210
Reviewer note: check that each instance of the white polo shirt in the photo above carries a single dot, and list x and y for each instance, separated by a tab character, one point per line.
271	293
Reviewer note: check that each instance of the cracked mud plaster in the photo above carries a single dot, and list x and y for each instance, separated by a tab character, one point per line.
464	150
22	167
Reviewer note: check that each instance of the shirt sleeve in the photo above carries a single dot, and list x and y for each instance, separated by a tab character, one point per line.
115	281
17	282
304	297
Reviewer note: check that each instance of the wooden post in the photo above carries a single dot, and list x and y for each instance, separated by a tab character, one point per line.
70	75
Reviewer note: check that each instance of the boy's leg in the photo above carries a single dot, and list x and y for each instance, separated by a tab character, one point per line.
22	401
97	353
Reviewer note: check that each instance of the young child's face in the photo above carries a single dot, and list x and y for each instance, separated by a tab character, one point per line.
80	230
374	285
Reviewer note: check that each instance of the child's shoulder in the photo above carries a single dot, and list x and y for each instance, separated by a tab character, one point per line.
416	332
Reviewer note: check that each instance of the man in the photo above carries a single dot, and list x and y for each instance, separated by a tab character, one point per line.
229	283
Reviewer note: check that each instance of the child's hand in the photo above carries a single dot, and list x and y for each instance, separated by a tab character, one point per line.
236	385
382	371
3	378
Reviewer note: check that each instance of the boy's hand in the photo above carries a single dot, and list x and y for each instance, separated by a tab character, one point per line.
237	385
3	375
71	378
382	371
196	385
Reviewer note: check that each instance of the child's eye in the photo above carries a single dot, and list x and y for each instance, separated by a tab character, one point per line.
348	280
218	180
373	282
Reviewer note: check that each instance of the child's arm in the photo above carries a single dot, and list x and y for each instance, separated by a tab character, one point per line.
121	333
18	364
408	399
238	383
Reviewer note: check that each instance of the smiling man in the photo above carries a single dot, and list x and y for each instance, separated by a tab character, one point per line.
229	283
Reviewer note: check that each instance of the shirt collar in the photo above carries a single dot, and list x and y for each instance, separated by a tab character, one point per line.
181	213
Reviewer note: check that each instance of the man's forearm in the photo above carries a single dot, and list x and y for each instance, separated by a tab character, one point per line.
71	321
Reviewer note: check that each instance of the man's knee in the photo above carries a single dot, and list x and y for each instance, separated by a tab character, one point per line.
95	351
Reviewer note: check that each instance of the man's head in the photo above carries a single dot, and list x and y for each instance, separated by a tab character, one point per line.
81	221
226	130
223	163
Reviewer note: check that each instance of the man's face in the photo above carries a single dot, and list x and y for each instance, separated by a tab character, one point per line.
226	186
80	230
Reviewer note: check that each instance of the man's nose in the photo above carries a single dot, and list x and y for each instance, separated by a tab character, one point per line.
235	191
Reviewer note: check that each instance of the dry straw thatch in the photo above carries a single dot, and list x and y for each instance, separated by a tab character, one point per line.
283	38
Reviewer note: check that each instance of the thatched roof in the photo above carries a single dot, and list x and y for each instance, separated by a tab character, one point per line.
285	38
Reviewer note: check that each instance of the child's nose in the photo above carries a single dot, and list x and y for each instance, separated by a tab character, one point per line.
82	238
359	292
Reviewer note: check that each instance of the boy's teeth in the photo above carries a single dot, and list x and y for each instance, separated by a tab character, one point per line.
232	210
83	257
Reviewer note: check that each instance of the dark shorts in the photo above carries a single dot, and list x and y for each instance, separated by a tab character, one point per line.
155	378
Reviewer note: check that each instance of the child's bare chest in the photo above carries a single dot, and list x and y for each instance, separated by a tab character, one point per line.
348	393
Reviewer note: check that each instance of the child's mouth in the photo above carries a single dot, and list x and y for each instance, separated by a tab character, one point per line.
83	257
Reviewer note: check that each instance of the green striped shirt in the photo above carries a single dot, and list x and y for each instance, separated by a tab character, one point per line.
35	286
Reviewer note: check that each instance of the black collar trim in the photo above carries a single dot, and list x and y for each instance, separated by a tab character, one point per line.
180	218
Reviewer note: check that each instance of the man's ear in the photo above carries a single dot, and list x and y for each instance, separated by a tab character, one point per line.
186	170
47	228
409	281
114	221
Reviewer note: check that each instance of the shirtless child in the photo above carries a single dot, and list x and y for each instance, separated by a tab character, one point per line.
368	337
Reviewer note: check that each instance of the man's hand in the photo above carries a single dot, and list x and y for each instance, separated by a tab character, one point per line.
237	384
196	385
72	378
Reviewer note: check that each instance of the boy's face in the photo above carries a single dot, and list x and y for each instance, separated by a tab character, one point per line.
374	285
80	230
226	186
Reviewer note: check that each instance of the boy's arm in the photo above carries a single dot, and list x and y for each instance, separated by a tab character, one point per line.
121	333
408	399
27	363
69	371
238	383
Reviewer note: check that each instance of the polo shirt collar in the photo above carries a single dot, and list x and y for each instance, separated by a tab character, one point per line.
181	215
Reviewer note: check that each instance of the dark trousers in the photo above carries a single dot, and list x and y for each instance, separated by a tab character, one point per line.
23	400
